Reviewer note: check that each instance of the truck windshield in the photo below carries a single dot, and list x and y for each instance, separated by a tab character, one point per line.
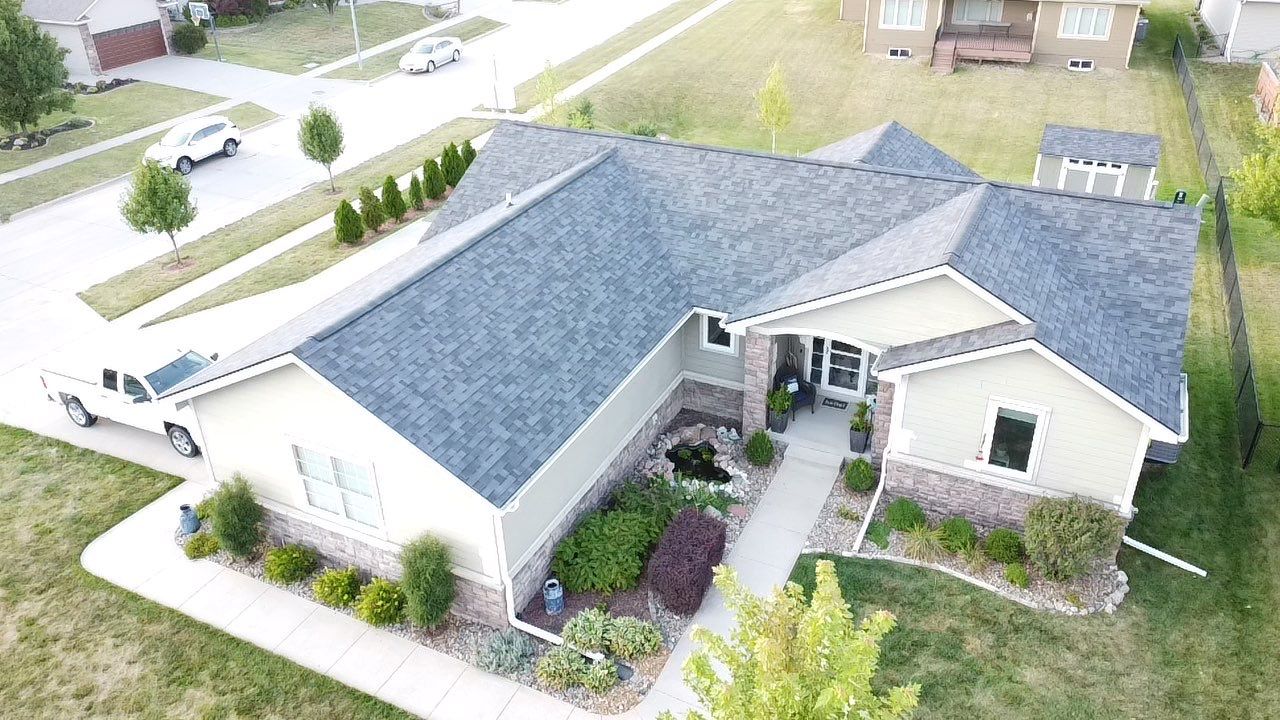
177	371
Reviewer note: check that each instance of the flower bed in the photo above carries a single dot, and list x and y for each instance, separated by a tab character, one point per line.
36	139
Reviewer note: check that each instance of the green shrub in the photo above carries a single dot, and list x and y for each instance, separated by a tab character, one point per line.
759	448
347	226
1016	574
878	534
586	631
255	9
958	534
468	155
601	677
506	652
392	200
433	184
289	564
201	545
923	543
779	401
847	513
188	39
605	553
656	498
582	115
372	213
859	476
975	557
381	602
204	509
643	128
237	517
903	514
416	198
1004	546
562	668
451	165
337	588
428	581
632	638
1063	537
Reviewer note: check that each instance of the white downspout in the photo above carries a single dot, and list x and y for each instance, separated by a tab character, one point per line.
504	574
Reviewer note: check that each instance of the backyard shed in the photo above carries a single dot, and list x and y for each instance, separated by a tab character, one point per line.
1098	162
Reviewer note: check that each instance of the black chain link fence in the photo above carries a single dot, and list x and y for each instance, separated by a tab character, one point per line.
1259	440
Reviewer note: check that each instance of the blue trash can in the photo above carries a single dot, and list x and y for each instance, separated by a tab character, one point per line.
189	522
553	596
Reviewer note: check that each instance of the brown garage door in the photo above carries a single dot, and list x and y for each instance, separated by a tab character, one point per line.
129	45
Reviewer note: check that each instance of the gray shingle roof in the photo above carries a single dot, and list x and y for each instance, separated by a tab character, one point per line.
56	10
893	146
493	341
1107	145
983	338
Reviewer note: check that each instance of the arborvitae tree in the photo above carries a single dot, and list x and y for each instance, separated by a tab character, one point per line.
371	211
451	165
433	184
392	200
416	198
347	225
468	155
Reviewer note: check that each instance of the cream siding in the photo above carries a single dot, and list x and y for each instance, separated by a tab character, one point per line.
1020	14
919	311
69	37
116	14
250	426
1219	15
879	40
540	506
1089	443
1136	179
1110	53
1258	32
709	363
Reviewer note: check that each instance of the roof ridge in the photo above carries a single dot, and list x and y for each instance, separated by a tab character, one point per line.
968	217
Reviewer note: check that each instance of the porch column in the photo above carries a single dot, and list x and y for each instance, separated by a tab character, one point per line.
880	432
758	358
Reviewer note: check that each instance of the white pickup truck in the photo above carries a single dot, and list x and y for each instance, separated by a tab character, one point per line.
126	390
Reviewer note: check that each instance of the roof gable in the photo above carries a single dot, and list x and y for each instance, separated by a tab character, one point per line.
1105	145
893	146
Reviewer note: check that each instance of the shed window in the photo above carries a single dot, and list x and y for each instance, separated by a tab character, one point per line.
1012	438
715	338
904	14
1089	22
338	486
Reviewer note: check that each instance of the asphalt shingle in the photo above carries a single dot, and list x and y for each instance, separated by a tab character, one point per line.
1106	145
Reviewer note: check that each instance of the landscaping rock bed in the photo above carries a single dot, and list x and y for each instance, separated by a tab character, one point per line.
99	87
835	531
36	139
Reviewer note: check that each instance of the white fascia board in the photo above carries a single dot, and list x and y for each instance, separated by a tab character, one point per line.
740	326
245	373
1158	430
819	332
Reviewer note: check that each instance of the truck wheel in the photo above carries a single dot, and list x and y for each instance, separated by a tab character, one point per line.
78	414
181	441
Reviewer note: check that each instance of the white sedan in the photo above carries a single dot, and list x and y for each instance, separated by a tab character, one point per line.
194	140
429	53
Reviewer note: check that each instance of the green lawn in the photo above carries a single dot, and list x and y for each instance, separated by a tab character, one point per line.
114	113
138	286
287	41
74	646
700	87
389	61
56	182
582	65
1230	119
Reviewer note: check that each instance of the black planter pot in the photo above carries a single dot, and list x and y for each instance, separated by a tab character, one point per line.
858	441
777	422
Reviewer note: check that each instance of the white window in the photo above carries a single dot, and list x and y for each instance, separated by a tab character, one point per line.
1088	22
1079	64
1012	439
968	12
902	14
715	338
841	368
1092	176
899	53
338	486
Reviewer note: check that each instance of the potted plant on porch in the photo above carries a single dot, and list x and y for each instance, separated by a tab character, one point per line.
779	402
860	427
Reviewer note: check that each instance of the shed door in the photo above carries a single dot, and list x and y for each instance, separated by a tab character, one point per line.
1075	180
123	46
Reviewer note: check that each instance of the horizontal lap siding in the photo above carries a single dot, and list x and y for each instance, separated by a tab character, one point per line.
879	39
1110	53
718	365
1089	446
1257	33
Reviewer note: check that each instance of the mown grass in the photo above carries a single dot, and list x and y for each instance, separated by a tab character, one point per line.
74	646
28	192
114	113
136	287
388	62
288	41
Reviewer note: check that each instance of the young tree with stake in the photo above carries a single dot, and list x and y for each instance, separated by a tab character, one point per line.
158	200
773	106
1257	181
320	136
31	70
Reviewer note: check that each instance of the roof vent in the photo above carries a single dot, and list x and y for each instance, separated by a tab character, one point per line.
509	201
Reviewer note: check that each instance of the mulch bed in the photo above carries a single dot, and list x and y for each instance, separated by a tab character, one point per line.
36	139
632	603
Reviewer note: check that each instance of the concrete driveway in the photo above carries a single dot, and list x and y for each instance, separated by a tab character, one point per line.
285	94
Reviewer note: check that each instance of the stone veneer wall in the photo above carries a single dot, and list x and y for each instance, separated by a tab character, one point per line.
883	417
472	600
711	399
953	495
166	29
90	50
758	360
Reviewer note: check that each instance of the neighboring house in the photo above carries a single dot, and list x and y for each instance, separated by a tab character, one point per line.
1100	162
580	288
104	34
1078	36
1246	30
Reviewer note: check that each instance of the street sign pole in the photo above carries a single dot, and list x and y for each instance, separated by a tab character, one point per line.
356	31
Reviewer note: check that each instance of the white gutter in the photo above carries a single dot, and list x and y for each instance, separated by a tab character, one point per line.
871	509
504	574
1164	556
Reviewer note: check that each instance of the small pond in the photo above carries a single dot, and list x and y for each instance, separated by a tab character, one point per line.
698	461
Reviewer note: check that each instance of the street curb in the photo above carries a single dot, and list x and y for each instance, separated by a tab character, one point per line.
386	75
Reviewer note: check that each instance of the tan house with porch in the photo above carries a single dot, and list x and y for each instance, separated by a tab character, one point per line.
1077	36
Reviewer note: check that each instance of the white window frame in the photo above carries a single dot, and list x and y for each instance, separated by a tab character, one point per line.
884	4
704	332
1080	64
958	5
341	518
994	405
1094	168
868	358
1080	8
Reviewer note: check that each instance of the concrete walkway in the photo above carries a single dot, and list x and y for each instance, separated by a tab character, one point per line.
139	555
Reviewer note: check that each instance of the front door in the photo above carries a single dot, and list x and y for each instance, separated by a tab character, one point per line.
841	368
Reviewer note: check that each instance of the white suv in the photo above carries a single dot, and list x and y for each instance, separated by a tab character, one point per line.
194	140
429	53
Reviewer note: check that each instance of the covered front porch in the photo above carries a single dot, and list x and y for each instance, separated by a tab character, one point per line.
996	30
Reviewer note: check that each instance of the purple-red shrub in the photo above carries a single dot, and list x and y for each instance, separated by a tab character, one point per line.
680	568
